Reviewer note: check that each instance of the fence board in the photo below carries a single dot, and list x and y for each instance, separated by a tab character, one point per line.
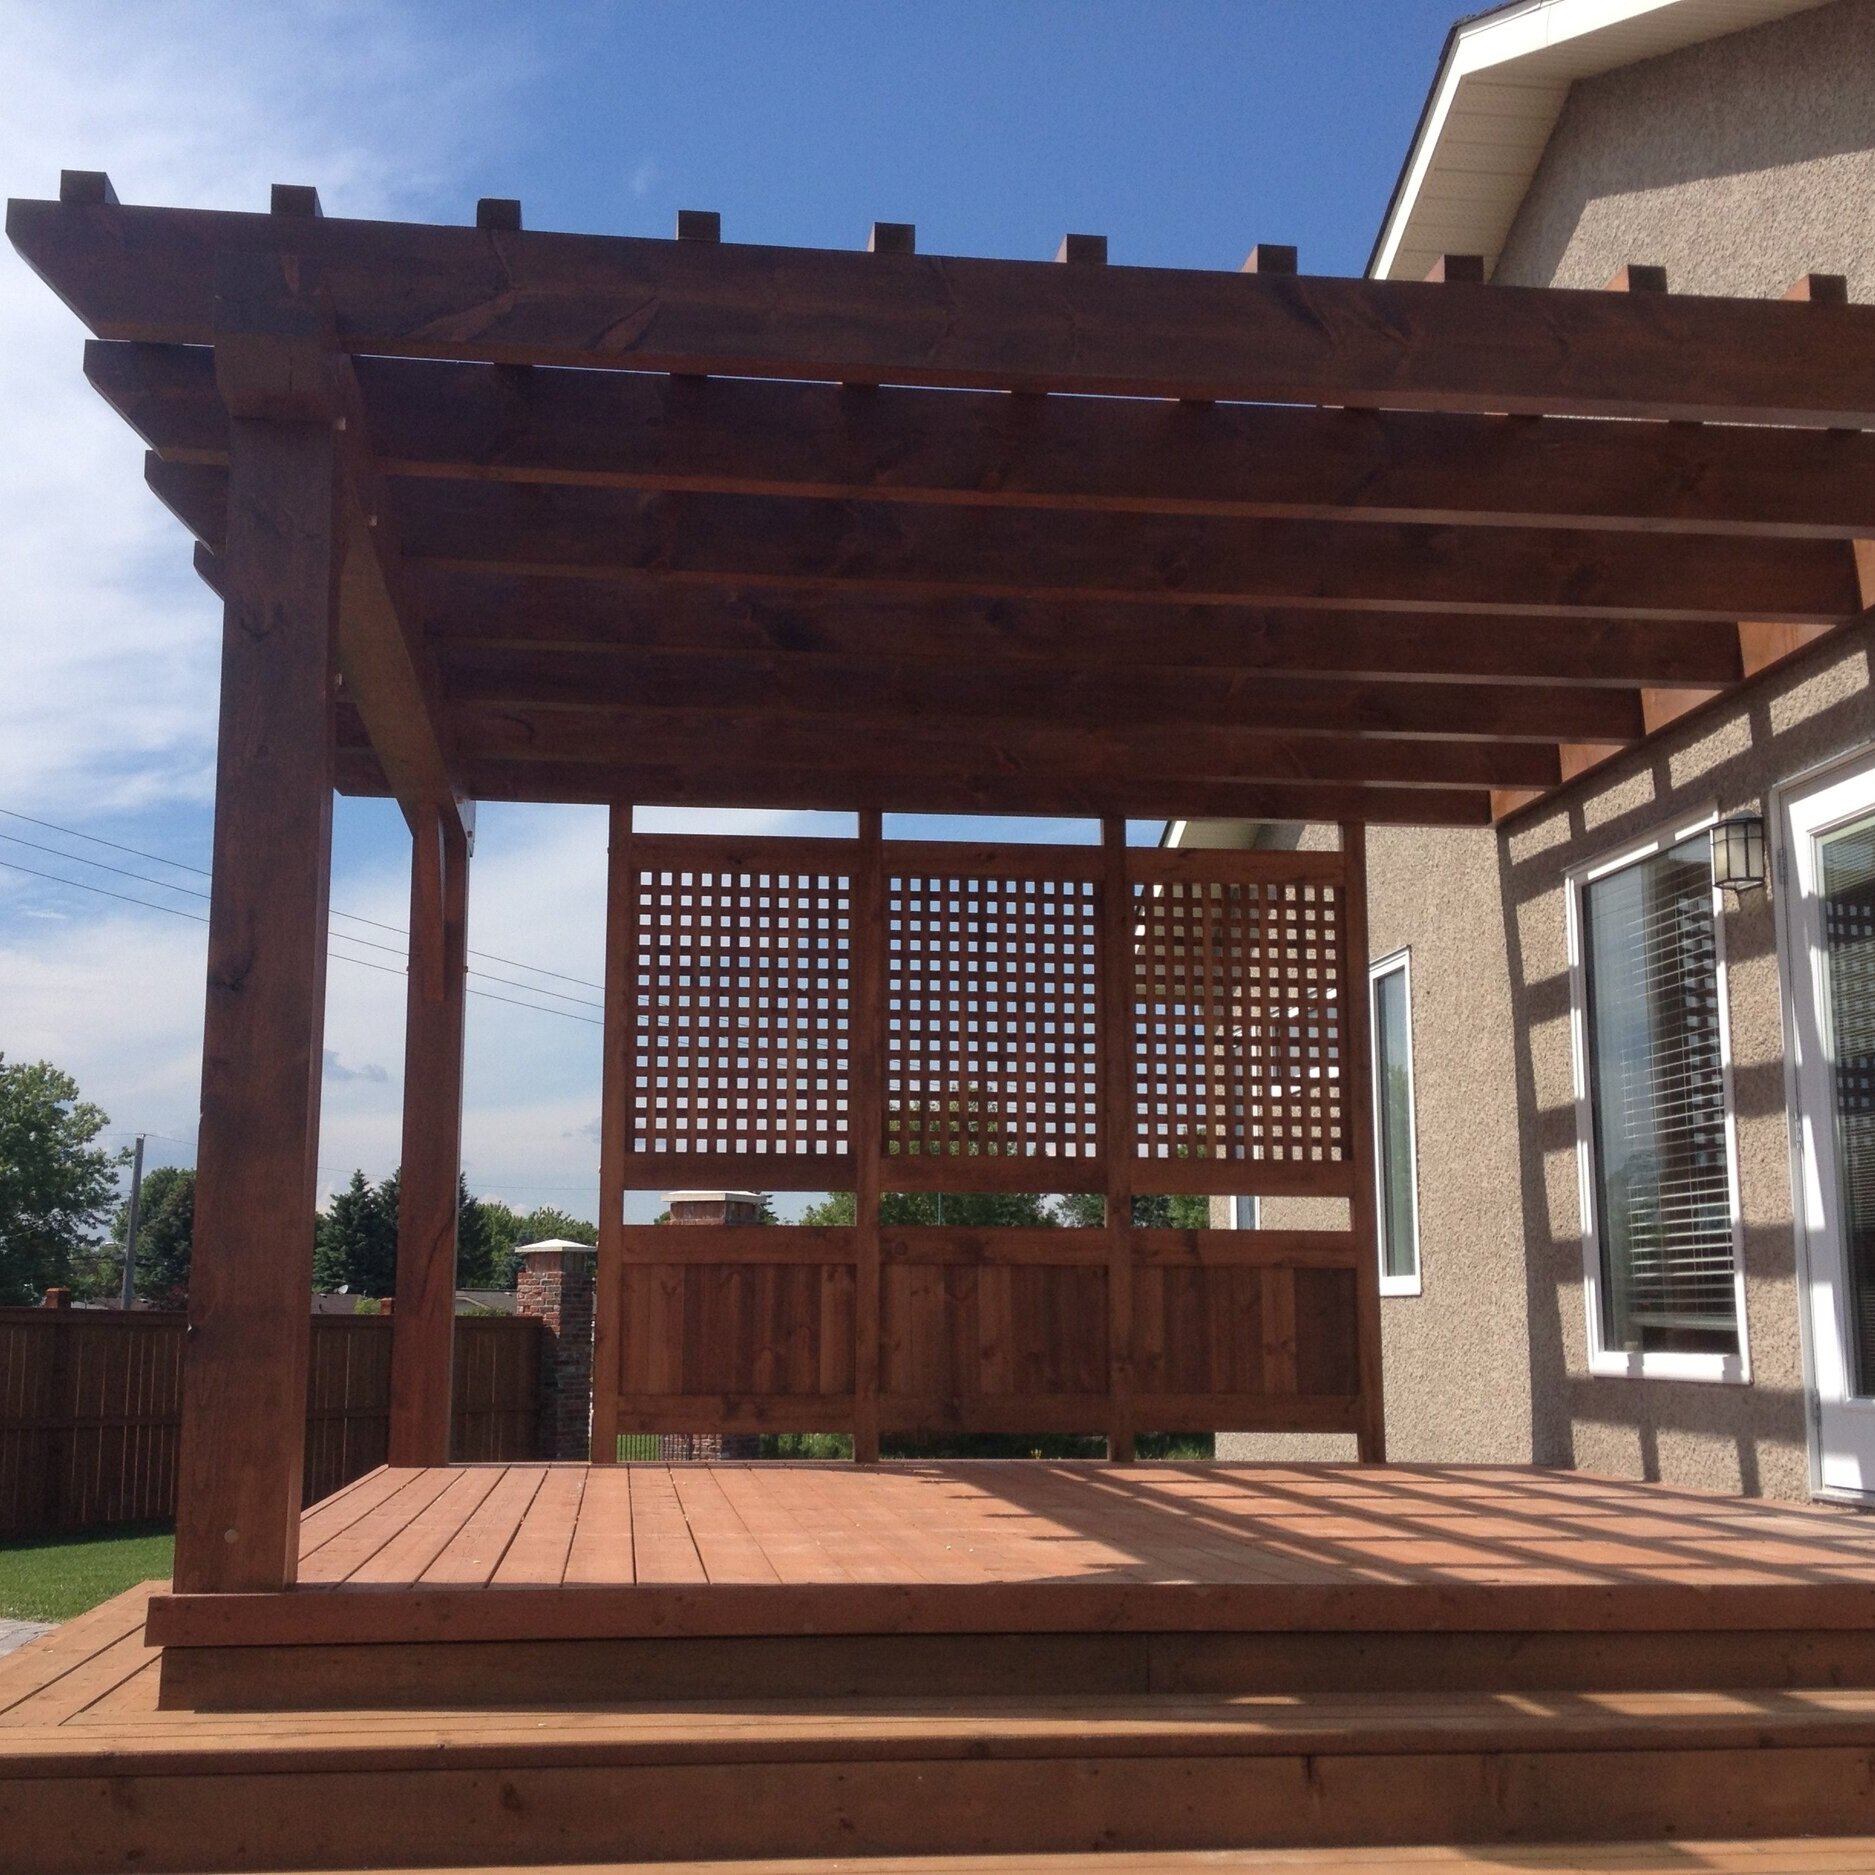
90	1408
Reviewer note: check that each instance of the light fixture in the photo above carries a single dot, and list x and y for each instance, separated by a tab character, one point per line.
1738	853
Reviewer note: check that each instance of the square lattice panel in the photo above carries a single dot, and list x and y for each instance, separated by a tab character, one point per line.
1237	1042
742	1019
990	1036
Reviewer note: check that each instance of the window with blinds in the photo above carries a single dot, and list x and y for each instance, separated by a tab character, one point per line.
1662	1172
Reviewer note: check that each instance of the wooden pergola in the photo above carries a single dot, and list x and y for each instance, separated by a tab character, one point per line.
507	515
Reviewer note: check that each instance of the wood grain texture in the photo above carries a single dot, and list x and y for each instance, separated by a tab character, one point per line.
244	1387
701	309
1358	1091
729	436
423	1324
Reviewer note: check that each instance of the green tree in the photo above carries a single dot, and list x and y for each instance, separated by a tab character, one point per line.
995	1210
56	1183
480	1263
355	1244
1151	1211
165	1234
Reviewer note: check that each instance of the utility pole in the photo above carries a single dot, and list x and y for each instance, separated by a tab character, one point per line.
129	1295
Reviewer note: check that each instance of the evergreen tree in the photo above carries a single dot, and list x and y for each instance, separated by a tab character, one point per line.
355	1245
165	1234
478	1254
56	1183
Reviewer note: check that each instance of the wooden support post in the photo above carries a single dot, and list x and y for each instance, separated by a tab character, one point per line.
424	1322
615	1123
1117	1141
866	1123
1357	1108
250	1287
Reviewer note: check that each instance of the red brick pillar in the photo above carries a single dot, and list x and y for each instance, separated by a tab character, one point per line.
555	1286
713	1207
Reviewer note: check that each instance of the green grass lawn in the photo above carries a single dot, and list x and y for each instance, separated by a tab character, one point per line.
52	1578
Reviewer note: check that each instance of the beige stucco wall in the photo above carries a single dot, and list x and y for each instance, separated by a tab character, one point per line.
1738	165
1748	1438
1425	889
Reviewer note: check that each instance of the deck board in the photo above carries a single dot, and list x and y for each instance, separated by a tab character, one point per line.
1022	1521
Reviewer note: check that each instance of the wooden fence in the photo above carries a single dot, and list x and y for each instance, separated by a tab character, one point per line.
91	1399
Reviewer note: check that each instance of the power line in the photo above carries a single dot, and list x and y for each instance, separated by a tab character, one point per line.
363	963
182	865
163	885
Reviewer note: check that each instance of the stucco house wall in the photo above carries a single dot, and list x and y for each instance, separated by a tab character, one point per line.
1739	164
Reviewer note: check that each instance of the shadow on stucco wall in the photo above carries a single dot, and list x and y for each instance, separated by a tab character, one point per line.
1725	756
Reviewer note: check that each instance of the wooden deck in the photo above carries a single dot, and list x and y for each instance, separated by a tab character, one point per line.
1028	1666
468	1585
1015	1522
93	1776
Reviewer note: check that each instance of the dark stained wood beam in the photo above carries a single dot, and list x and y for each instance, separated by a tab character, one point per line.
518	297
885	690
639	431
720	782
543	613
424	1321
388	670
785	740
908	551
897	548
250	1287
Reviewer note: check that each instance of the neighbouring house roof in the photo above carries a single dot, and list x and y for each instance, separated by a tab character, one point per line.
1499	90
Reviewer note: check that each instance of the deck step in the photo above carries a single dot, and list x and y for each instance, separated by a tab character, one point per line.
1067	1777
1799	1856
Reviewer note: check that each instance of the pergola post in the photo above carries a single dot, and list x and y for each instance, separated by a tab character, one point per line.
424	1322
250	1287
1357	1107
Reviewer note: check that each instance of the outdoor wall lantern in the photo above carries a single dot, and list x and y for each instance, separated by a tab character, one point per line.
1738	853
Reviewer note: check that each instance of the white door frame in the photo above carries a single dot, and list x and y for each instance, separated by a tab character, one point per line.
1796	970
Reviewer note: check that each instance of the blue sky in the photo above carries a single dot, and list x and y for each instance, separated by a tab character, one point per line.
1184	130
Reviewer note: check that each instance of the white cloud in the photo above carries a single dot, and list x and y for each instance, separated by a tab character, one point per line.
107	712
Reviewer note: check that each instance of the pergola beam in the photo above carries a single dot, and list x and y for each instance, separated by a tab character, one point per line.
544	614
645	431
388	671
883	691
1008	746
743	779
700	308
904	551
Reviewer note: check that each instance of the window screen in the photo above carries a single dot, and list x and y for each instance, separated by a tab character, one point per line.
1662	1188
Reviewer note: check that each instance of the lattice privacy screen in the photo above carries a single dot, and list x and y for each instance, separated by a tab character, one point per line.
1237	1041
741	1012
991	1047
992	981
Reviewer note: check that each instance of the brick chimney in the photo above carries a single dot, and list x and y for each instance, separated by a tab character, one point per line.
555	1286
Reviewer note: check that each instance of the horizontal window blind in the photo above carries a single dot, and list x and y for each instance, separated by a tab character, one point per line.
1657	1094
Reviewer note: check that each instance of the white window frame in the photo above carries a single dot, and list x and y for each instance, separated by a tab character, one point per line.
1620	1363
1413	1285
